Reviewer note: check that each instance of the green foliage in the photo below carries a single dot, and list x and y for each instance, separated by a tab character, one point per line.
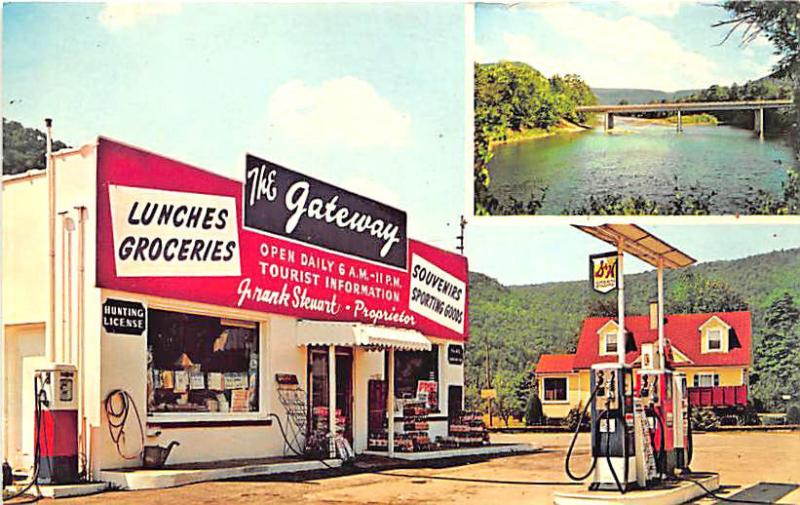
767	203
690	201
508	403
519	323
515	97
694	293
534	414
574	417
24	148
776	370
704	419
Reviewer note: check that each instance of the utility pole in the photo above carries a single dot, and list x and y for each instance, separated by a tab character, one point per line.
460	238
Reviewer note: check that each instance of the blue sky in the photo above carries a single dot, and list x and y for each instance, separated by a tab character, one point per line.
650	44
528	253
368	97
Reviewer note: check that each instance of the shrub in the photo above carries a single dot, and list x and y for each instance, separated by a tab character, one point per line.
793	414
704	420
533	411
573	418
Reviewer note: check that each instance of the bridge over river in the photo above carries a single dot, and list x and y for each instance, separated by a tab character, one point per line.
757	106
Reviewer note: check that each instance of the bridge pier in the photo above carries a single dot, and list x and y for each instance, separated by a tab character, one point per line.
608	121
758	123
680	121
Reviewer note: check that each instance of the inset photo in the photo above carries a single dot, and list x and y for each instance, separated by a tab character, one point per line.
636	108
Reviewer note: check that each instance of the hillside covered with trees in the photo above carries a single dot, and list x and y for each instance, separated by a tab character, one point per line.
513	99
516	324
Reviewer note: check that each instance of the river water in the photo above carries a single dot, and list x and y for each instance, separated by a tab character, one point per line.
641	159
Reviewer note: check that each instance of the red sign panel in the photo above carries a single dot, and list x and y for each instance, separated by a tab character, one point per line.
172	230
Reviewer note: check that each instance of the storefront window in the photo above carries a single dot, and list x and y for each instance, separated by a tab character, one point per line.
201	364
416	376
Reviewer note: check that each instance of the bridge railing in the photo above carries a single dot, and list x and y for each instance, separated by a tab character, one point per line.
684	106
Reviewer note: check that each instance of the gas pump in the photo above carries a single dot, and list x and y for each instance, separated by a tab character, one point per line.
655	390
56	425
681	430
612	431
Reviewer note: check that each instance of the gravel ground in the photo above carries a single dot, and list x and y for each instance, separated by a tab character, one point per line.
742	459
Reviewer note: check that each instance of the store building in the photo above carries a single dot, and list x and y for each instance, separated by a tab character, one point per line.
215	304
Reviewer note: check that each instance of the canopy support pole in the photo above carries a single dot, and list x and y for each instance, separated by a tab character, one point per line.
621	337
660	280
332	399
390	401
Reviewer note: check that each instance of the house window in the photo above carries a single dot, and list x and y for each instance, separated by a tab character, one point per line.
555	389
705	380
611	343
201	364
714	340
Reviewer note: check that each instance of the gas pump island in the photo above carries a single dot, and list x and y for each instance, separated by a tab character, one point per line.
640	432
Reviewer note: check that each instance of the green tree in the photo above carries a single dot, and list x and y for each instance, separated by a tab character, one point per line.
24	148
776	370
778	22
508	403
694	293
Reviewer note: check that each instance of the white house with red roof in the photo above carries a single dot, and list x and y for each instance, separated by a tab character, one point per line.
713	349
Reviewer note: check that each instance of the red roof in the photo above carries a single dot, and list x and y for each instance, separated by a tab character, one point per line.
555	363
683	333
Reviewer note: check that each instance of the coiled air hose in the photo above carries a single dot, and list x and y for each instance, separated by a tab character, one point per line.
117	419
575	438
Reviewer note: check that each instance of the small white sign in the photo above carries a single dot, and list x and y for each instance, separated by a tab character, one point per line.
436	294
159	233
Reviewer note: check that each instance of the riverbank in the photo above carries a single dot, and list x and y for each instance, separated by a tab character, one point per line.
563	126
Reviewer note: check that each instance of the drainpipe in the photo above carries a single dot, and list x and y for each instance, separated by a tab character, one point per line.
50	343
80	330
63	351
70	227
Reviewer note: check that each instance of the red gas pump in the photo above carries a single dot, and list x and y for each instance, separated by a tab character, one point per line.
655	389
56	425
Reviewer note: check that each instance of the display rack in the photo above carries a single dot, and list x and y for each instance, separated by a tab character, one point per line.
467	430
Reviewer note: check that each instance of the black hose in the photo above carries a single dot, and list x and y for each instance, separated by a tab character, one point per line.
41	398
662	443
712	494
690	434
118	418
575	438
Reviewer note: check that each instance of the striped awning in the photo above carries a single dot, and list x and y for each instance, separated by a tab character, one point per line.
640	243
360	335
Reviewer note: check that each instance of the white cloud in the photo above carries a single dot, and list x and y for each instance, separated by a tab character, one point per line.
345	111
117	15
627	52
659	8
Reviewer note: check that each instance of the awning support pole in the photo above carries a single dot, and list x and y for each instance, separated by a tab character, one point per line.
660	280
390	401
621	337
332	399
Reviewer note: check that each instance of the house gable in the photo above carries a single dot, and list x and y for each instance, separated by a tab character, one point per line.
714	335
610	328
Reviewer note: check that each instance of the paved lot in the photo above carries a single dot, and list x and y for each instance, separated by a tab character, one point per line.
742	459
